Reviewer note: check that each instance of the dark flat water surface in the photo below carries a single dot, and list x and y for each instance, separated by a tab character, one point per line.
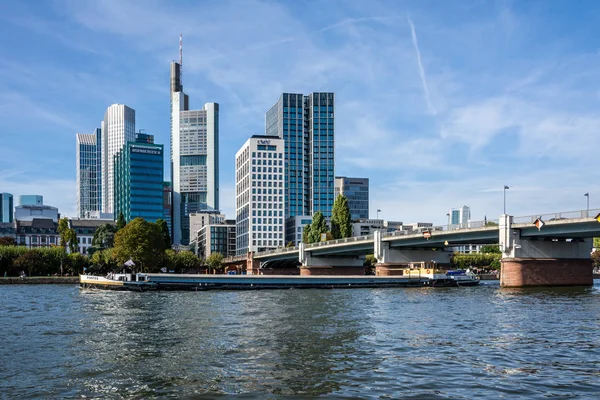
420	343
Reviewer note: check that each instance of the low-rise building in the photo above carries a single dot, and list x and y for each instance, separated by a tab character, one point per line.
7	229
85	230
216	238
37	232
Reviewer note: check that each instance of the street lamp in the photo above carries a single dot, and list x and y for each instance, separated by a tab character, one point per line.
505	189
378	211
448	215
588	203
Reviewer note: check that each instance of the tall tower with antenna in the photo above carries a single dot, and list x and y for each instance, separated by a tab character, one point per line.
194	156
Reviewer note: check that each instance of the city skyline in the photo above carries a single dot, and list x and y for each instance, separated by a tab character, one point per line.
431	113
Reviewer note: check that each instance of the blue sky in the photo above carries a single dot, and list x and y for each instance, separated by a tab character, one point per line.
440	104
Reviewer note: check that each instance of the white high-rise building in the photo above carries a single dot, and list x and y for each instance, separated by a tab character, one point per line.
259	194
118	128
194	158
460	217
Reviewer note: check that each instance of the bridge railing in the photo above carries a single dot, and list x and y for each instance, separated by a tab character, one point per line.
581	214
352	239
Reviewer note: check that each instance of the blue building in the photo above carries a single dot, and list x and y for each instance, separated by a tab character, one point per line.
6	207
31	200
306	123
356	190
138	180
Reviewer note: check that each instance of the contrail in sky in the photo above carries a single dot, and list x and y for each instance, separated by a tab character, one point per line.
430	106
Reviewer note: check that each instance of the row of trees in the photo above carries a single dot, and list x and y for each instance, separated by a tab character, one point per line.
41	261
341	225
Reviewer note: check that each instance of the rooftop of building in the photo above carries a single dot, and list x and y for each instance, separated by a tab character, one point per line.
90	223
38	223
37	206
264	137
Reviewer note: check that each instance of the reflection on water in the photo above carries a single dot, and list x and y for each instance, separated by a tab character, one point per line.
417	343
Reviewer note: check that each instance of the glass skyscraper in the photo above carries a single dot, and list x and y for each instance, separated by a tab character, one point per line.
138	183
118	128
89	183
6	207
356	191
194	158
306	123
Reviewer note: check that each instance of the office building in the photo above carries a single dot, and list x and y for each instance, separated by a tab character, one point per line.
194	158
259	194
31	212
460	217
89	185
294	228
118	128
356	191
167	207
216	238
6	207
200	219
138	180
31	200
306	124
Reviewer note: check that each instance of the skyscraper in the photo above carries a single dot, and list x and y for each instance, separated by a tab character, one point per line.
460	216
138	186
118	128
194	158
6	207
306	123
356	191
259	194
89	186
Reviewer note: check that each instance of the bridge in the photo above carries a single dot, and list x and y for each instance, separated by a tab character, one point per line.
537	250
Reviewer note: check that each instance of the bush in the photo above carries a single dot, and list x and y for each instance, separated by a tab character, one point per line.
476	260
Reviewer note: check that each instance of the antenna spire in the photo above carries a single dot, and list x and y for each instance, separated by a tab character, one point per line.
181	59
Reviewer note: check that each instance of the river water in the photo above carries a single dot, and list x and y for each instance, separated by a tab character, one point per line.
420	343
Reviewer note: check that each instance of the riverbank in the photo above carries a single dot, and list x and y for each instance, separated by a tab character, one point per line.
40	280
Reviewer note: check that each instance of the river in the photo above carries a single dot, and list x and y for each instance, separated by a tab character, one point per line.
420	343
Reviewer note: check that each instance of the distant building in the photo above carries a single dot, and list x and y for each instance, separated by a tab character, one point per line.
460	217
37	232
200	219
31	200
216	238
194	158
259	194
85	230
416	226
118	128
356	191
89	182
306	124
6	207
294	227
8	229
138	180
31	212
167	204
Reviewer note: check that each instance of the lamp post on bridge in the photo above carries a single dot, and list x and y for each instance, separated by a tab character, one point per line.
505	189
448	215
587	214
378	211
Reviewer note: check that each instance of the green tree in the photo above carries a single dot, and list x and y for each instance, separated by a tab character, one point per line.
121	221
596	259
102	262
104	237
164	230
341	226
215	261
68	237
490	249
318	227
7	241
369	264
306	234
142	242
76	263
31	262
290	244
186	261
597	243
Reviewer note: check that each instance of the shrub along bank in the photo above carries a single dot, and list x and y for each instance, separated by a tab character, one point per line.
43	261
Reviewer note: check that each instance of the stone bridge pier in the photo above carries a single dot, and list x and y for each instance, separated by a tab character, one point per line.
532	262
393	261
